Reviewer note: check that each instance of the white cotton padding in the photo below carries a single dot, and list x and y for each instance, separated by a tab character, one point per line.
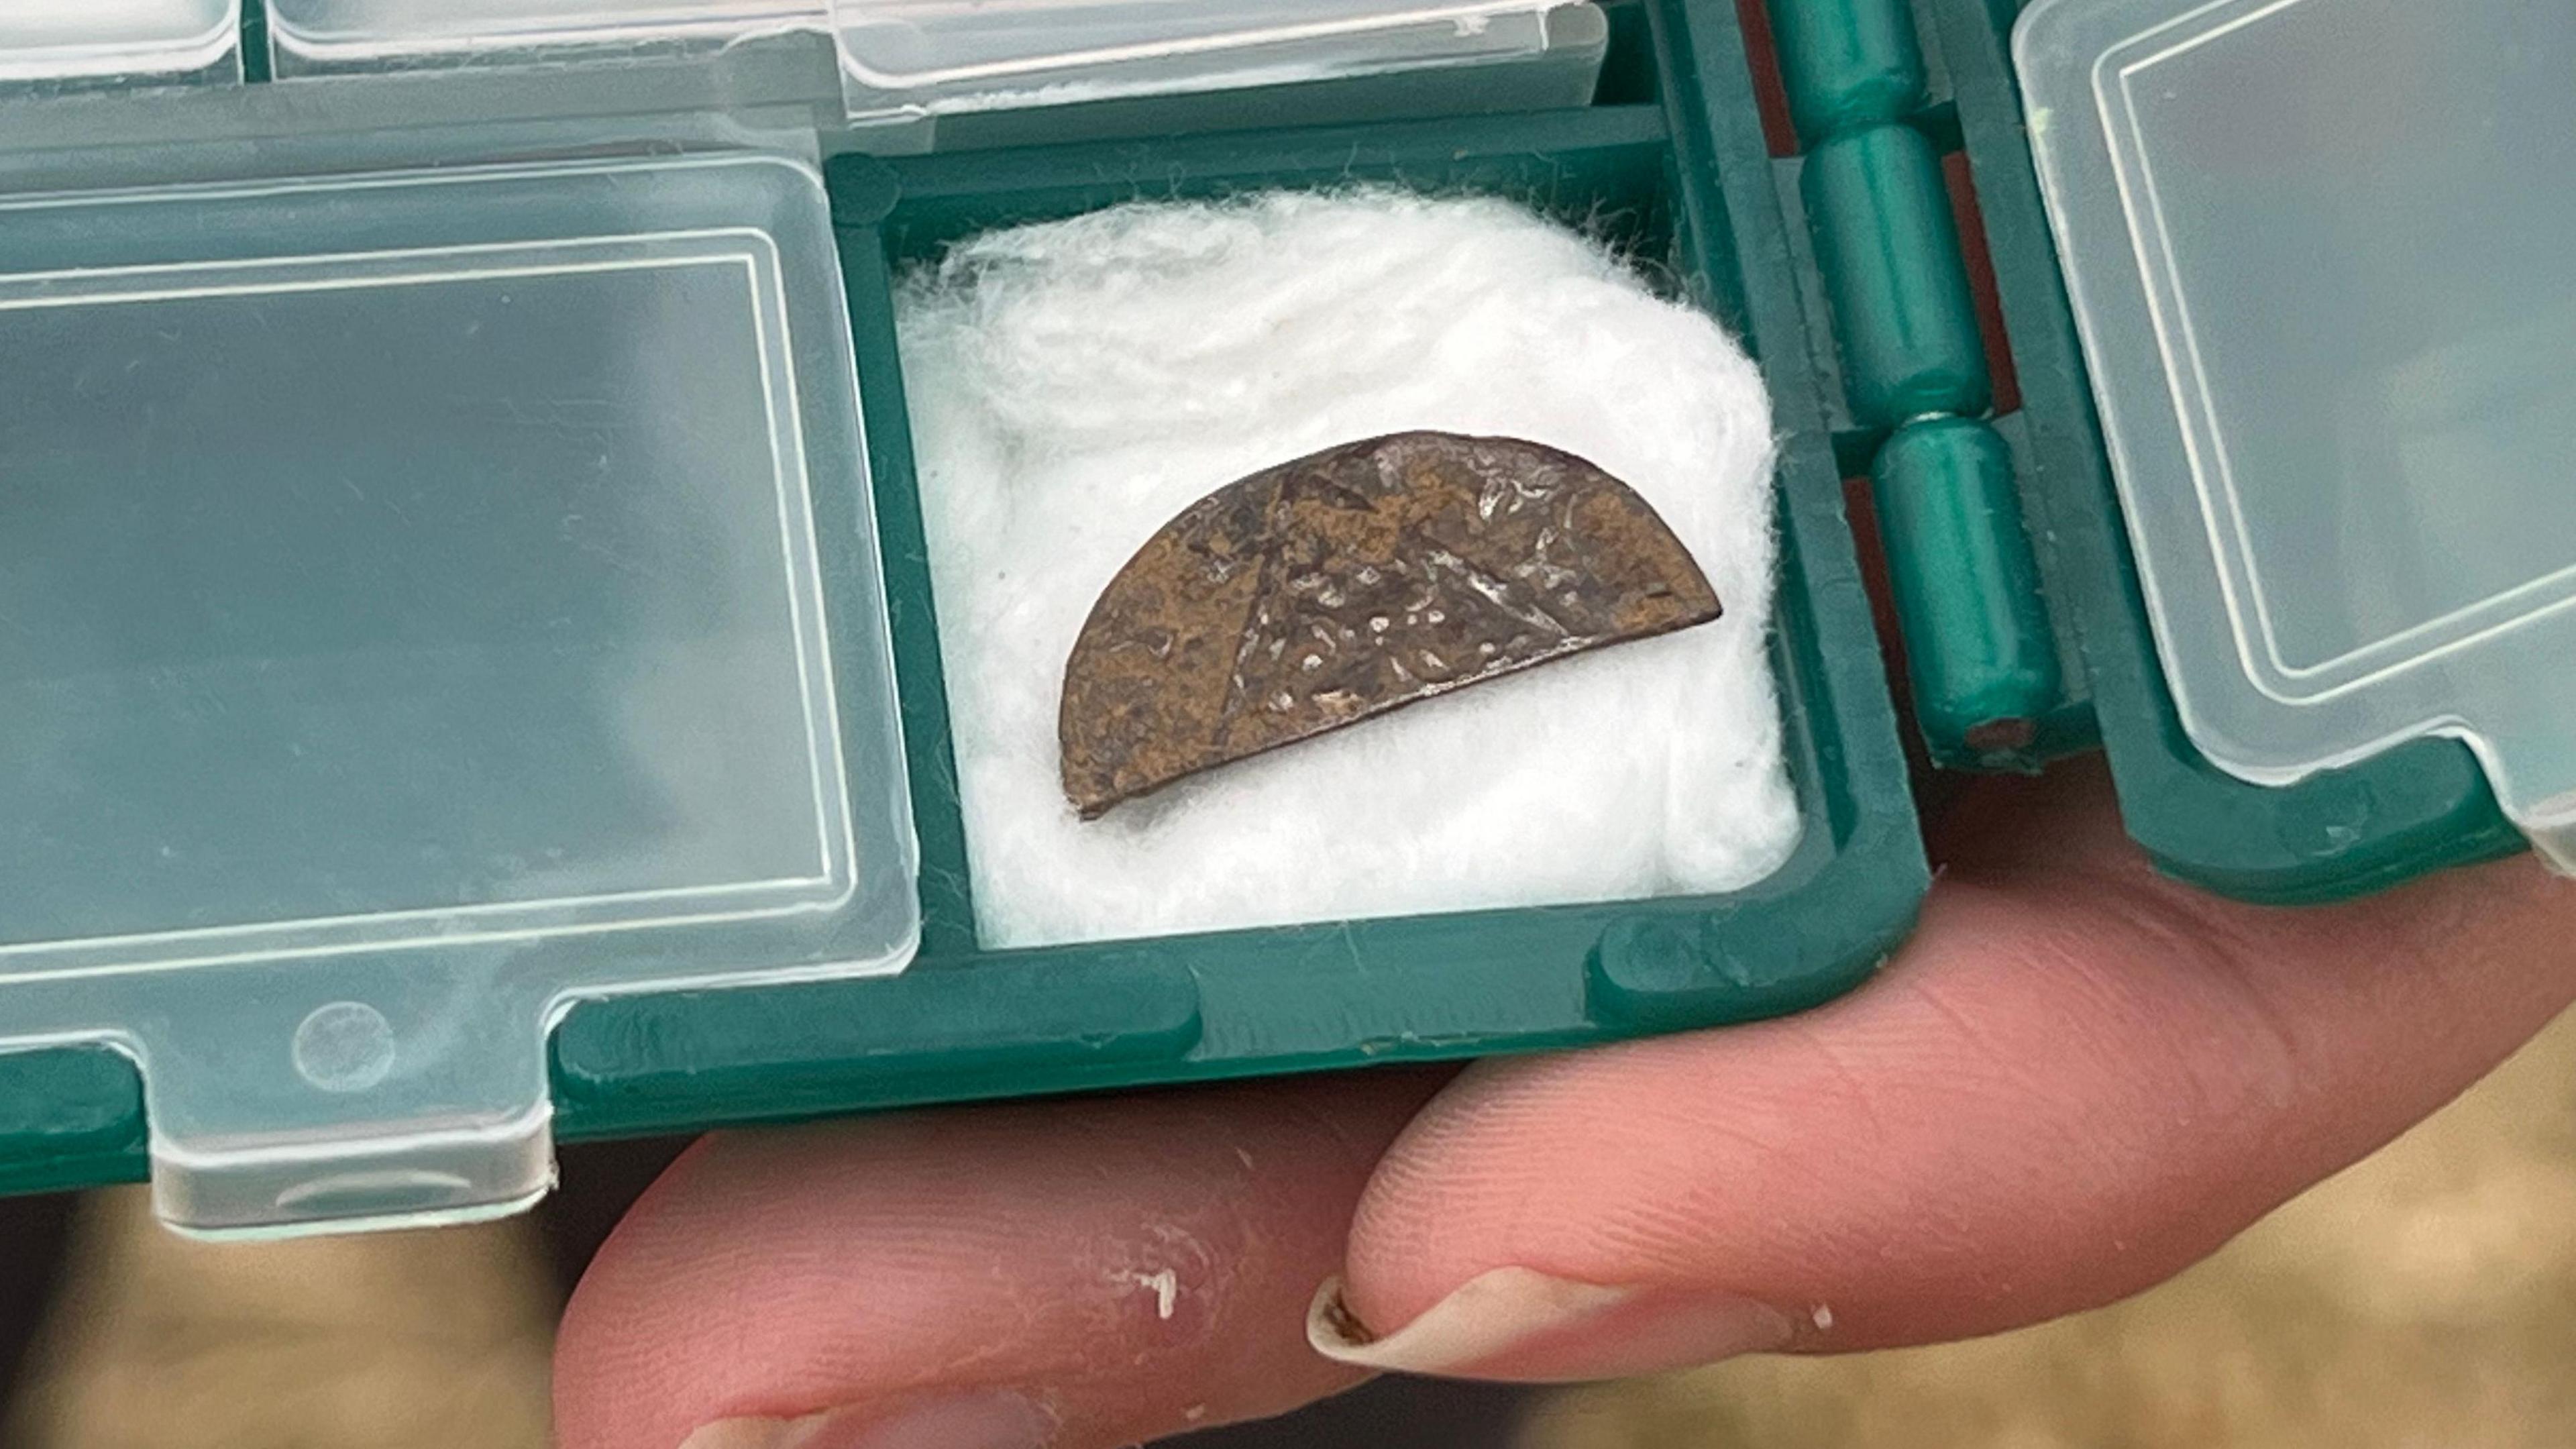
1074	385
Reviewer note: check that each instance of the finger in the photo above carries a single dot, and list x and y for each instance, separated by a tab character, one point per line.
1069	1273
2077	1079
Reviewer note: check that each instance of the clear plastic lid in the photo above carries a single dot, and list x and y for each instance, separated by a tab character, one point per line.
45	40
427	601
915	58
324	34
919	57
2323	257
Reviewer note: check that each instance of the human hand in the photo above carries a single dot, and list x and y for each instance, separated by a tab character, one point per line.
2076	1079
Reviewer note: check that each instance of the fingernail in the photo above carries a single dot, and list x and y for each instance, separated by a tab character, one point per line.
1524	1326
992	1421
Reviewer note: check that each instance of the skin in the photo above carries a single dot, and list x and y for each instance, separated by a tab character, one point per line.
2076	1080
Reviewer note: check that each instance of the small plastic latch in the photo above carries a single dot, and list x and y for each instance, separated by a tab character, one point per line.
368	1094
2534	771
2553	834
393	1104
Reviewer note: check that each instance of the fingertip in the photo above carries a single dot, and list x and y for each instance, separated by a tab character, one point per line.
1519	1326
2077	1079
1136	1265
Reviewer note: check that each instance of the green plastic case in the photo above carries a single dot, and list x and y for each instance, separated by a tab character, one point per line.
1836	236
1670	162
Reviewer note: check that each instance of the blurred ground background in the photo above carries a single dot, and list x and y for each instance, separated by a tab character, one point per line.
2425	1298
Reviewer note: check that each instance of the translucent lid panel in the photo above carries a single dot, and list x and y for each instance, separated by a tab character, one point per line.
2320	254
492	624
425	601
912	58
65	39
935	55
357	32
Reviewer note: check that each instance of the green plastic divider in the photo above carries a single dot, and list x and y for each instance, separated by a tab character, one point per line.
254	41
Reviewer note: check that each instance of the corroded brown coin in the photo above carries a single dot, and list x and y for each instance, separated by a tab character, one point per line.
1350	583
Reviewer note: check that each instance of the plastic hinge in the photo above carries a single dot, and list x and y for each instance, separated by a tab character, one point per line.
1981	653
